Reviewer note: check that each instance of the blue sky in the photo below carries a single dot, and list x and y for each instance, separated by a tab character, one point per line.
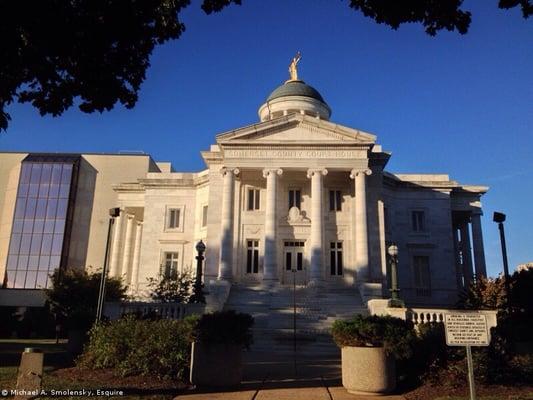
461	105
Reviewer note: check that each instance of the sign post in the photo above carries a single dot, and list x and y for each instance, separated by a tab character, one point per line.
467	329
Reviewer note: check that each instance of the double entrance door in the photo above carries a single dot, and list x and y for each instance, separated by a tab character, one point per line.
293	262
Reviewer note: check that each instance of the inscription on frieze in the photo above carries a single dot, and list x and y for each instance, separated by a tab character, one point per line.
287	153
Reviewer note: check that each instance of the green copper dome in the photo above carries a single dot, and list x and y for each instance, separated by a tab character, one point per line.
295	88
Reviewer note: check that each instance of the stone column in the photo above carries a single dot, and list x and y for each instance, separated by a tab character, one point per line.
270	271
134	279
361	225
477	241
317	225
115	249
127	245
226	224
466	252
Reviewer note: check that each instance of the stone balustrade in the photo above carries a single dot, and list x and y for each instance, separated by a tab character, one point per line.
175	311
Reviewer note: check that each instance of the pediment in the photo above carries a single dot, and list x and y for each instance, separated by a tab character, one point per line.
295	129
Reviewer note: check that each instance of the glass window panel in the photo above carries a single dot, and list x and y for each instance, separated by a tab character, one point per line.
33	262
36	173
23	262
31	276
44	262
62	205
40	211
64	191
28	226
56	174
256	261
42	278
30	208
25	244
23	190
19	210
60	226
67	172
54	262
338	199
20	279
332	262
17	225
257	199
46	173
36	244
43	189
12	261
34	190
249	261
331	200
339	262
38	226
299	261
57	244
288	261
54	191
250	199
51	209
49	226
25	173
15	243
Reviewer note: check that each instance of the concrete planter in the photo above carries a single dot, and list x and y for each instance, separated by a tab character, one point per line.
368	370
216	365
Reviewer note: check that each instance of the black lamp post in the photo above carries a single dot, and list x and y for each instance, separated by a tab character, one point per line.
395	300
113	213
198	294
499	218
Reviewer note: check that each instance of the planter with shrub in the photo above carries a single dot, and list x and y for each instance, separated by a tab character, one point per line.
219	338
369	346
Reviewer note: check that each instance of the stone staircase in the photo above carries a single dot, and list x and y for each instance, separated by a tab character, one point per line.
273	310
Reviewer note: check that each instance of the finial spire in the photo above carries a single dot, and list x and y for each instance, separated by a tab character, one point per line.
293	71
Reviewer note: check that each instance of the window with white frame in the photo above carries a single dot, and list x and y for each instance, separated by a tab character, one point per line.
170	264
254	199
204	216
422	278
335	252
335	200
252	256
173	218
295	198
418	221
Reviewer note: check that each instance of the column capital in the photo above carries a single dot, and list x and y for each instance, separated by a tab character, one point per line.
130	216
225	170
313	171
355	172
140	223
268	171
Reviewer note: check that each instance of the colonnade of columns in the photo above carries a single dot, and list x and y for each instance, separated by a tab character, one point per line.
316	239
465	245
128	239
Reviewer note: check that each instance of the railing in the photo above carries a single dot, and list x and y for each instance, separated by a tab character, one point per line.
160	310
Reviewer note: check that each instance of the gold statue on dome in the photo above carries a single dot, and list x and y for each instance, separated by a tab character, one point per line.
293	72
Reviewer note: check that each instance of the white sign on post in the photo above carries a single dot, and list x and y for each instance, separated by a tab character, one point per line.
466	329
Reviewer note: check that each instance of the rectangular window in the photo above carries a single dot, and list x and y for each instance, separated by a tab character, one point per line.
335	200
418	221
422	277
295	198
204	216
173	220
252	256
170	265
253	199
336	258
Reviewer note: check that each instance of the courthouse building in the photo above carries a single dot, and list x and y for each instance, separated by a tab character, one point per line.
294	194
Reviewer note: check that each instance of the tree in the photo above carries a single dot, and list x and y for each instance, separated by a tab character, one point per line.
173	288
94	54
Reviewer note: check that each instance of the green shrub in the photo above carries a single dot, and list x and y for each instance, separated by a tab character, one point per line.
395	335
225	327
141	347
174	288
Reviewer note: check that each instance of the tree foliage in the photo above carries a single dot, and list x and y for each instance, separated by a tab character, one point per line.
175	288
94	54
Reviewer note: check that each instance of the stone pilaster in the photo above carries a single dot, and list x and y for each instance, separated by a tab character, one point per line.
317	224
270	272
361	225
466	251
225	266
477	241
115	246
127	245
134	279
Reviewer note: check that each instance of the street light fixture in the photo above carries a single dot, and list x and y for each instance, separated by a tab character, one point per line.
395	300
499	218
198	294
